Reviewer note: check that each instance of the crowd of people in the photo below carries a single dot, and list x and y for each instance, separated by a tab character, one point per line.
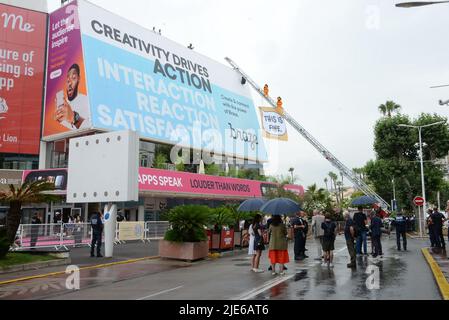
435	221
357	229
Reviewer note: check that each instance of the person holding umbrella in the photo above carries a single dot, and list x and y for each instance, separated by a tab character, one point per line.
278	247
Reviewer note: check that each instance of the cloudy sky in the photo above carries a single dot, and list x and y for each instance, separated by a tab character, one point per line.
333	62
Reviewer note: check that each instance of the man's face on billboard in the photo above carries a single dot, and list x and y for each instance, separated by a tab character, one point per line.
73	80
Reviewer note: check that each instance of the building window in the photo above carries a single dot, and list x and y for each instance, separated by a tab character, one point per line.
18	162
60	154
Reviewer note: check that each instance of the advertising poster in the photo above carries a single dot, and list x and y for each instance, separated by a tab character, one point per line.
140	80
22	60
273	124
67	104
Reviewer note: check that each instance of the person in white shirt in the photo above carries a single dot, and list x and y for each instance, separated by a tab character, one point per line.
74	113
251	250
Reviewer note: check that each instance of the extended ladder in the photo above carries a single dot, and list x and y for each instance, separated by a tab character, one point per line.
358	182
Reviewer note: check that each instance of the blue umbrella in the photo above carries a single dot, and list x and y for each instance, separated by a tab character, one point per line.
281	206
363	201
251	205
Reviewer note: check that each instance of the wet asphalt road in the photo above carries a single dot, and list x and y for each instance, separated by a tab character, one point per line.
402	276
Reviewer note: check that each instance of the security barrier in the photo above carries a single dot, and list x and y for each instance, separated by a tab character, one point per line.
129	231
155	230
76	234
34	236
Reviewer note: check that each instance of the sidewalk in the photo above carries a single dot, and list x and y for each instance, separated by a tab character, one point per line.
81	258
439	264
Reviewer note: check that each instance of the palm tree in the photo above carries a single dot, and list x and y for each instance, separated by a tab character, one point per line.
325	181
388	108
334	178
30	192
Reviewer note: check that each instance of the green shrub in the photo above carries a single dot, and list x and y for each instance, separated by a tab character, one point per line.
187	223
221	217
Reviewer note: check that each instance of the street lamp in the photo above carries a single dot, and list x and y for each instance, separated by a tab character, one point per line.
422	219
417	4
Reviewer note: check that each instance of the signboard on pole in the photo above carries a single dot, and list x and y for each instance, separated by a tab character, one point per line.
418	201
273	124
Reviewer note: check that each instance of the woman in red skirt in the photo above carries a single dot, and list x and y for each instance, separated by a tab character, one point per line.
278	253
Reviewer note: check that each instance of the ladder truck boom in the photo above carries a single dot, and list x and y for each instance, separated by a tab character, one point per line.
353	177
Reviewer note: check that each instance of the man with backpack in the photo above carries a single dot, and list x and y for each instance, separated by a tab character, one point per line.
329	236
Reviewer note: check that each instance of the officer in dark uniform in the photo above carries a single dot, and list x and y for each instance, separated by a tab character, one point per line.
400	224
97	231
438	221
35	221
299	228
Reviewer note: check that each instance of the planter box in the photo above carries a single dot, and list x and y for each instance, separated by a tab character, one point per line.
190	251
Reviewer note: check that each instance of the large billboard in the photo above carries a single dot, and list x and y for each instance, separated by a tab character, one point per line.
139	80
66	106
22	59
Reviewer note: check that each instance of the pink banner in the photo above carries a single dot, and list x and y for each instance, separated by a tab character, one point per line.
179	182
182	182
299	190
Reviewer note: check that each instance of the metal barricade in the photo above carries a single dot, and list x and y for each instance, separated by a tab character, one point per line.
76	234
155	230
130	231
33	236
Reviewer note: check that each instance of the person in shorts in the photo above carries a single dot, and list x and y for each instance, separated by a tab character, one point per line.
329	227
259	245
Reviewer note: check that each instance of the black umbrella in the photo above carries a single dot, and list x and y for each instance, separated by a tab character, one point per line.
281	206
363	201
251	205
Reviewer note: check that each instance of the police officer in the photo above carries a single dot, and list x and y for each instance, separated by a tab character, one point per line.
400	224
35	221
97	230
438	221
298	227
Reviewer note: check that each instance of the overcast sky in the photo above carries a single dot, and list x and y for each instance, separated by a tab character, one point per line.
333	62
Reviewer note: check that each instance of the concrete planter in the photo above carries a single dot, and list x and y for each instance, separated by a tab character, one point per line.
189	251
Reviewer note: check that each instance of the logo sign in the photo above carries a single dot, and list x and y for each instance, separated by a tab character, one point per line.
11	21
273	124
22	60
418	201
107	216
